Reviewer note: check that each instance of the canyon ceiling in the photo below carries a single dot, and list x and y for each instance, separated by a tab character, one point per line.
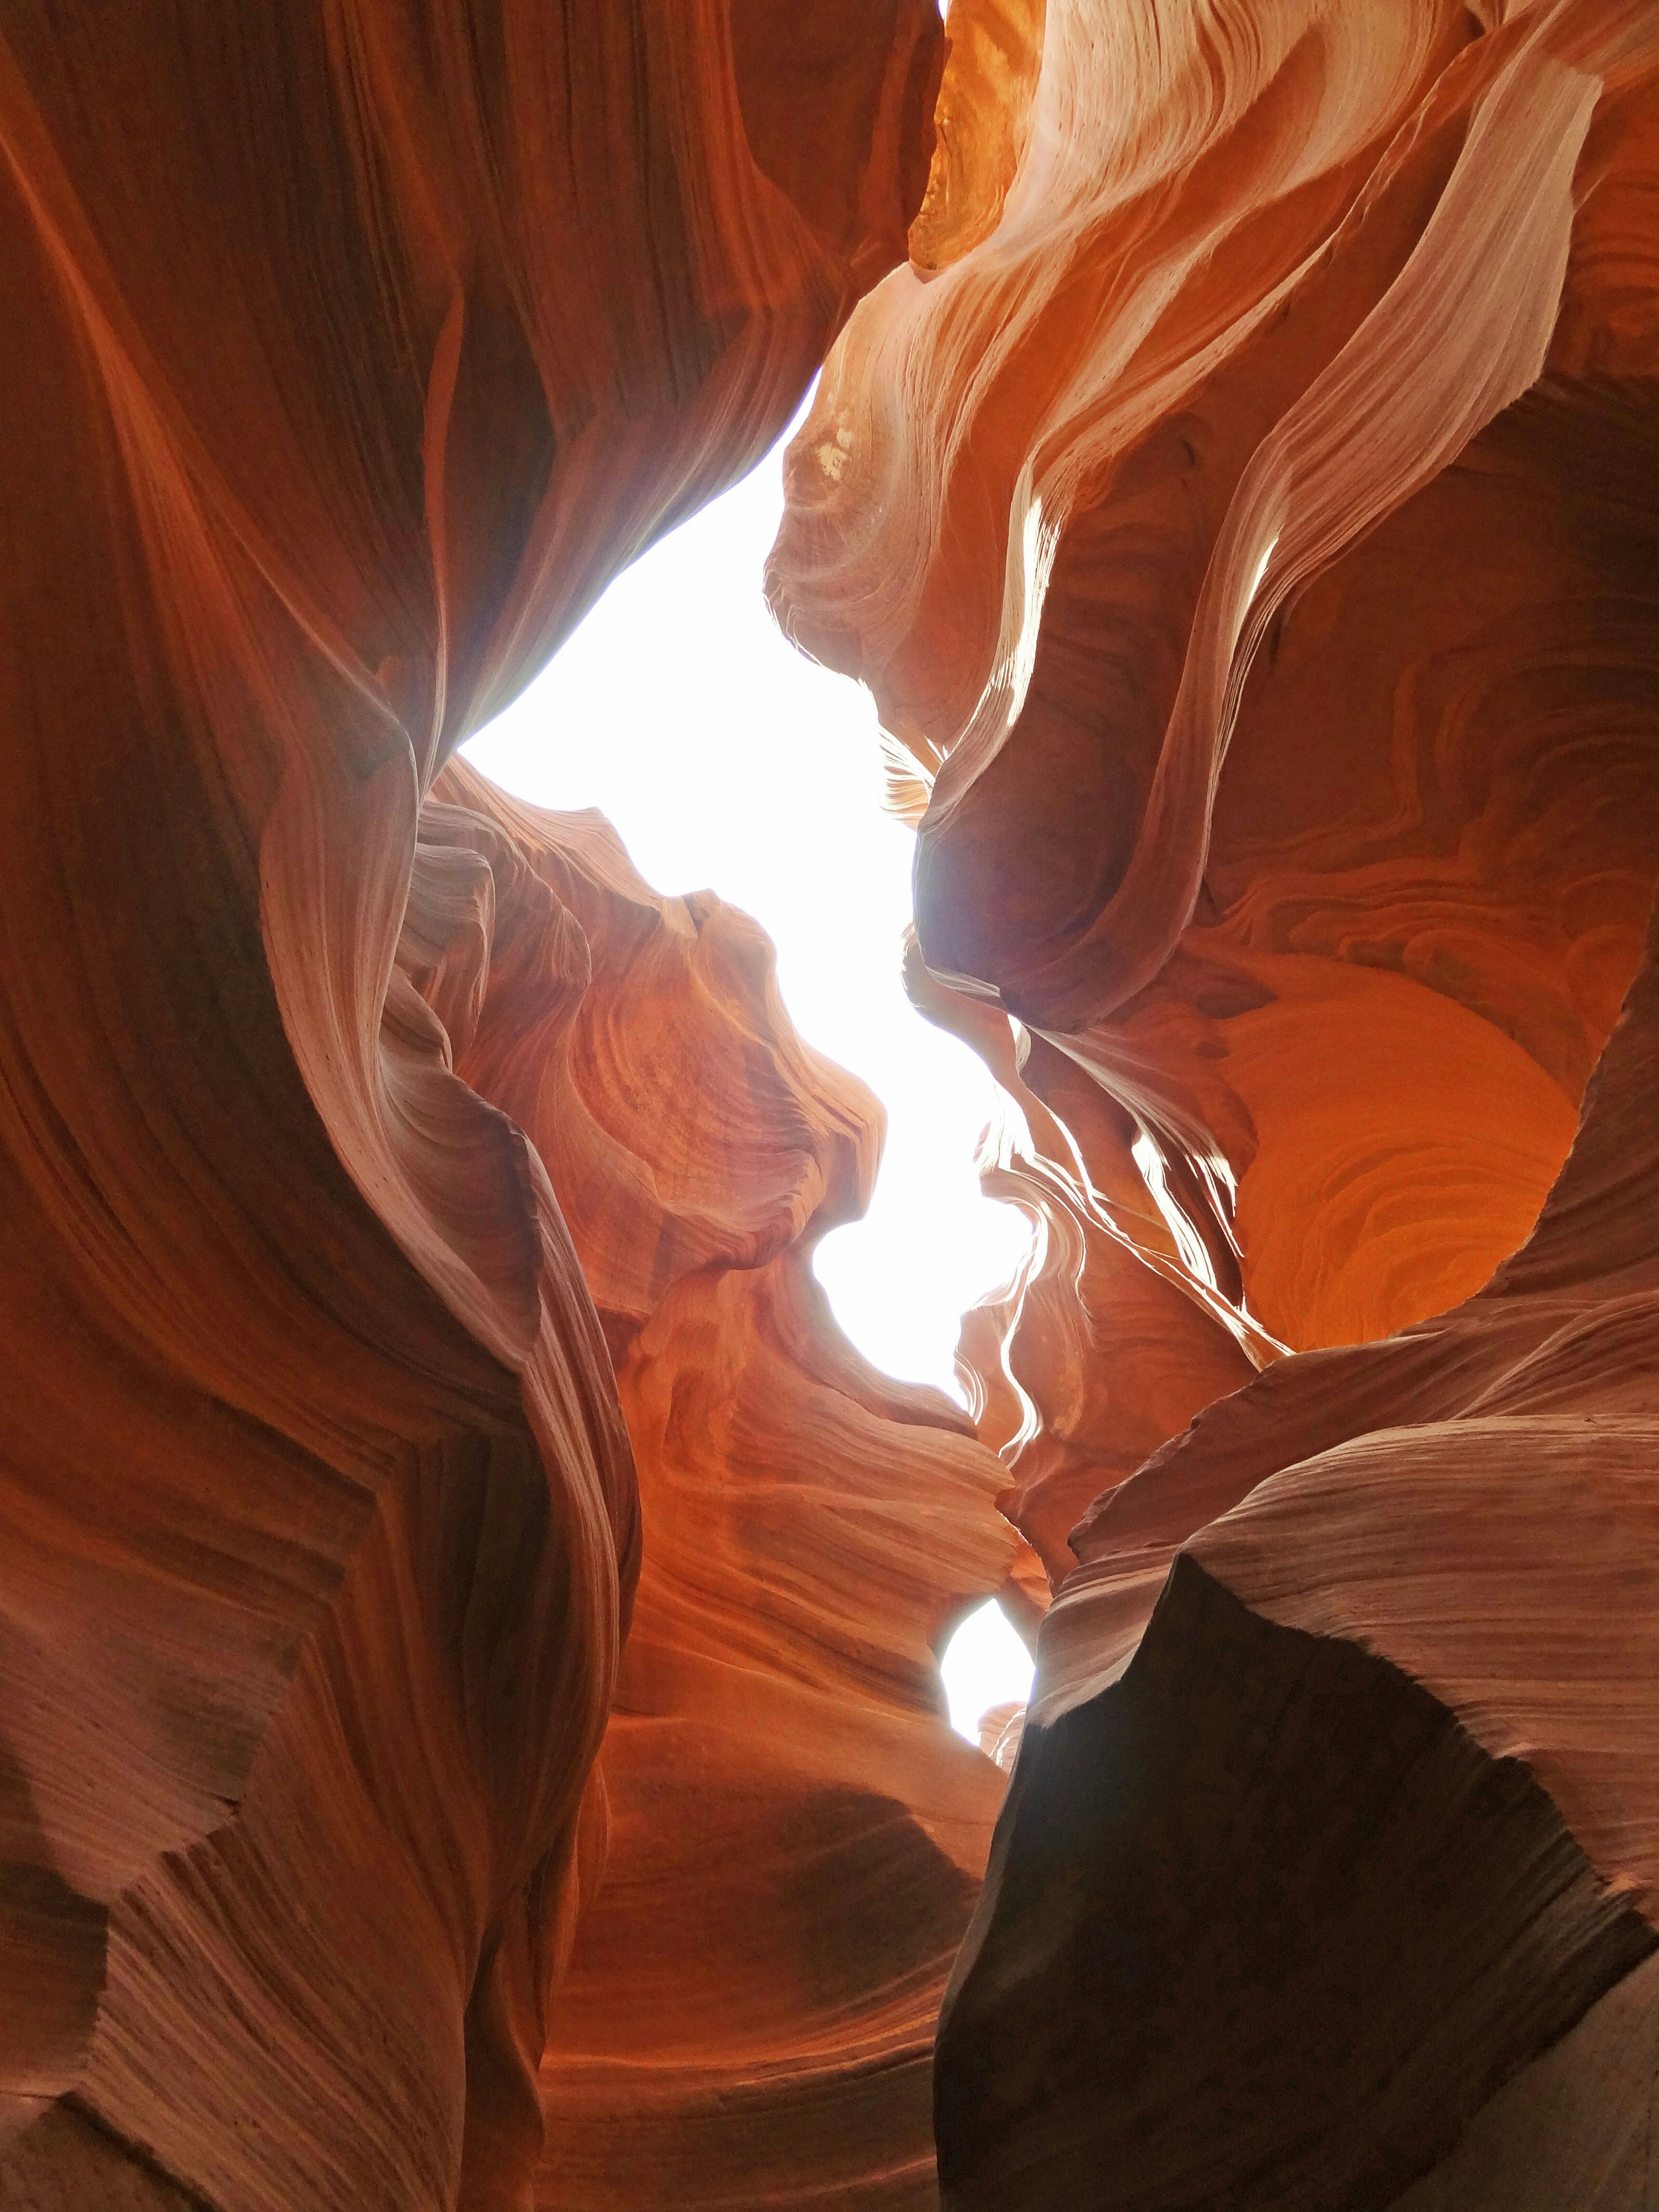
470	1727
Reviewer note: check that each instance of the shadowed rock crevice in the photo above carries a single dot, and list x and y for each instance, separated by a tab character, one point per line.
1263	1928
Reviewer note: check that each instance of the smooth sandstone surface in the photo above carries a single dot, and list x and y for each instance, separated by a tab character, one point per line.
783	1841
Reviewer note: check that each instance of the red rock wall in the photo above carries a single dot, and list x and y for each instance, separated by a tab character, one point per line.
1242	509
348	351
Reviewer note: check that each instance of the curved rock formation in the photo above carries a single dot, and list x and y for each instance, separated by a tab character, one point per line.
349	350
1242	511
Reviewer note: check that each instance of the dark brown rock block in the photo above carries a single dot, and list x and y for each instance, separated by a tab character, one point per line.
1264	1927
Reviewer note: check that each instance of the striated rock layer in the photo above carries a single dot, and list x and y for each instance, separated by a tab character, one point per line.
1243	509
348	348
1345	1725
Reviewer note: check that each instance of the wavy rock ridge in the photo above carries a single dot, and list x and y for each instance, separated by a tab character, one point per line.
782	1842
1242	509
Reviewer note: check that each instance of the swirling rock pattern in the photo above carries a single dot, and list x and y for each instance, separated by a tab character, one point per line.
348	351
1383	1887
790	1840
1242	511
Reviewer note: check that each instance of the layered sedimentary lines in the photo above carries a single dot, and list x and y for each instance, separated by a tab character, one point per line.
1243	510
1249	541
1471	1505
348	351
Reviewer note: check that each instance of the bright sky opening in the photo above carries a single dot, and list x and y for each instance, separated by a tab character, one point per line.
985	1664
728	761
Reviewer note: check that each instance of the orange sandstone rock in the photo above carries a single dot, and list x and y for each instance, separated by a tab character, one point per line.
1241	506
1241	539
348	351
1248	537
1336	1804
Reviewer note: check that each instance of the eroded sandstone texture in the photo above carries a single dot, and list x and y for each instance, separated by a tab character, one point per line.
348	350
1245	511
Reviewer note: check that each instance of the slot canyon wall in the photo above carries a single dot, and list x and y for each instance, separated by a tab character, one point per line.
469	1732
1244	510
396	1193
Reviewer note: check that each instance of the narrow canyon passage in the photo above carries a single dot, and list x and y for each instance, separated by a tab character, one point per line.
488	1472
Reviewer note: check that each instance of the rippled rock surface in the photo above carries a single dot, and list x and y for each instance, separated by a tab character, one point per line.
782	1842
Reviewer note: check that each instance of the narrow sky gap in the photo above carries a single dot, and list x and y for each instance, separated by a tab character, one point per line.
985	1664
728	761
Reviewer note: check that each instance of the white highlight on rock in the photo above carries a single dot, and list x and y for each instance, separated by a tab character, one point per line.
1260	569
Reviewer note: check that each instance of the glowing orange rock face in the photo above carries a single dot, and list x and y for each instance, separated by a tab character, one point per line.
348	352
1194	533
1244	520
